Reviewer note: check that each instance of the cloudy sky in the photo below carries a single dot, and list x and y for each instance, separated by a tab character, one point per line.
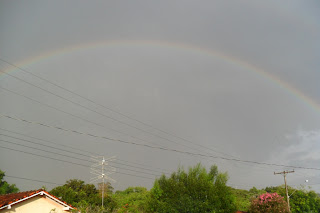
214	80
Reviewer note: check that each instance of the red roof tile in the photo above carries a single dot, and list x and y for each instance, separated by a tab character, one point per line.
10	198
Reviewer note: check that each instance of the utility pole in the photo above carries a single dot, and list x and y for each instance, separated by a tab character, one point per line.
284	173
104	173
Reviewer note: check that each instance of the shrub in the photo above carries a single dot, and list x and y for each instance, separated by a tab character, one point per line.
269	203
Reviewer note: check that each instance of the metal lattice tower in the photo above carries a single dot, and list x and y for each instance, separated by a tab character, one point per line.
101	171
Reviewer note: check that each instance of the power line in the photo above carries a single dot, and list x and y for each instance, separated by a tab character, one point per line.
139	167
60	144
161	170
87	108
83	165
46	146
108	108
71	156
47	157
68	152
41	181
135	163
73	115
80	155
95	112
89	134
124	123
44	150
153	147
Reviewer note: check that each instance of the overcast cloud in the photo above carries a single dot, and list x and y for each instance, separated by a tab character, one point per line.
159	71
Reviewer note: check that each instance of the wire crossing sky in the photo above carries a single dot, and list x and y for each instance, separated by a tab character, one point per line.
174	82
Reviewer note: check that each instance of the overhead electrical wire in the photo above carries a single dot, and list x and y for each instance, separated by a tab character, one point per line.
48	146
95	112
68	156
41	181
87	108
84	151
73	115
96	104
153	147
5	141
50	142
207	148
70	152
122	114
83	119
65	161
104	107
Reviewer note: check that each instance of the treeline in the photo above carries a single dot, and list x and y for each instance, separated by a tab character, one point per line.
194	190
301	200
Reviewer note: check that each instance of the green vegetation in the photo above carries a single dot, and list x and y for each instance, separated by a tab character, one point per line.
244	197
269	203
5	187
133	199
83	196
301	200
194	190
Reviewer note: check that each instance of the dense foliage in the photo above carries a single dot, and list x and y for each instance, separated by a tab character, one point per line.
244	197
81	195
133	199
194	191
269	203
300	200
5	187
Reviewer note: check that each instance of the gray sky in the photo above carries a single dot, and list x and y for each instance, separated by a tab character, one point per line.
191	69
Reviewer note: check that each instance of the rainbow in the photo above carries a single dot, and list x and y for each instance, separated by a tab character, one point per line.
182	46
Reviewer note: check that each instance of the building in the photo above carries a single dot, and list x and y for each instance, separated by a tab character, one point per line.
36	201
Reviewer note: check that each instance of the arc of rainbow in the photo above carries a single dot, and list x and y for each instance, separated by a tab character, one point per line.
187	47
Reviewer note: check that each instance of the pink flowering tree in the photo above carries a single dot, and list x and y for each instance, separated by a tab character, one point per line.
266	203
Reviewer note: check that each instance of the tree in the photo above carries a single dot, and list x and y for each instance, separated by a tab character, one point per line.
5	187
108	189
301	200
76	191
269	203
195	191
133	199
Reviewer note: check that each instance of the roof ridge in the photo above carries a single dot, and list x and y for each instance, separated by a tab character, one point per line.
7	199
23	192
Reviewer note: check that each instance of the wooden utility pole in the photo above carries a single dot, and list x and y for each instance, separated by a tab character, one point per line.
284	173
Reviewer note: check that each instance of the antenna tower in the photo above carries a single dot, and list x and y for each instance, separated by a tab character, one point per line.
101	171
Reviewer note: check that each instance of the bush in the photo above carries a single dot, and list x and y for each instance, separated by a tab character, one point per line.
269	203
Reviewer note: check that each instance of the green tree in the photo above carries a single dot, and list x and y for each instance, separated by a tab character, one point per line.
243	197
301	200
133	199
107	188
5	187
194	191
81	195
76	191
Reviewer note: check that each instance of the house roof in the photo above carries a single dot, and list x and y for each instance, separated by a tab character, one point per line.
7	200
